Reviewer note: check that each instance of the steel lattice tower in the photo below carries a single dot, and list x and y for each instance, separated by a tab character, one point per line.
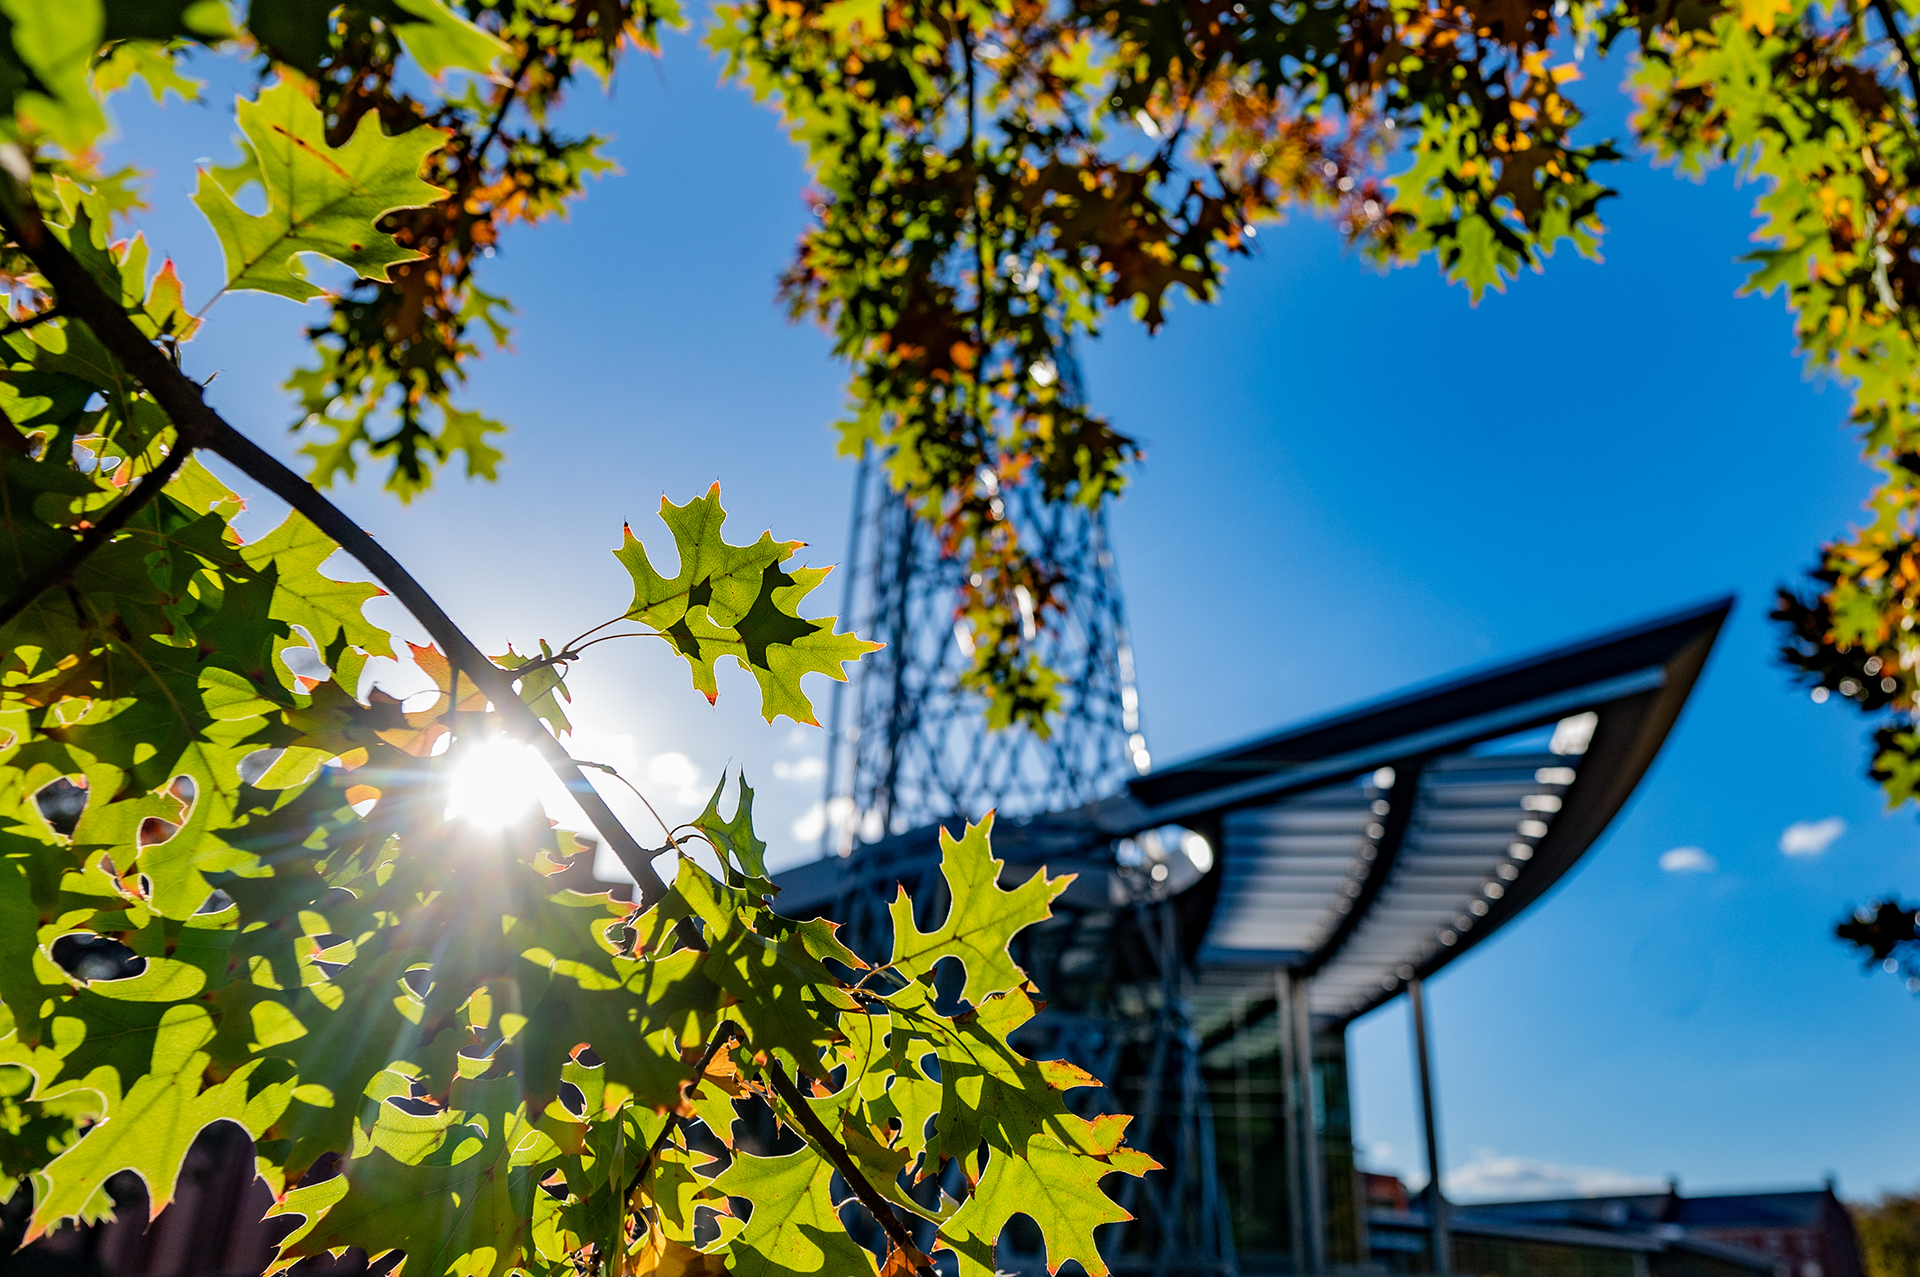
907	749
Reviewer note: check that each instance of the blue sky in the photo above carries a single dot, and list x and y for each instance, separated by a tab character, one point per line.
1354	482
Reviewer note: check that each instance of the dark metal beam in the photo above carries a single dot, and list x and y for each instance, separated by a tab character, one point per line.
1494	693
1442	1242
1123	818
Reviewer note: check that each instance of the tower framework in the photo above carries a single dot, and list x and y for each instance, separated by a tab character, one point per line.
908	748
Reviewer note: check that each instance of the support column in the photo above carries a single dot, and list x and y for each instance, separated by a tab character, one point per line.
1313	1196
1290	1109
1442	1243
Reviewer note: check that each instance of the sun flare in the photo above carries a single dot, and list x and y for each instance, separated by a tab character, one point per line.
495	782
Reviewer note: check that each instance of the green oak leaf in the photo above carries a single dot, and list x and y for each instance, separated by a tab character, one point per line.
882	1164
888	1079
735	837
20	987
724	579
774	967
458	1209
793	1229
327	609
441	40
542	689
43	70
297	32
294	32
981	921
148	1132
736	601
463	430
1052	1185
1043	1160
993	1093
162	20
320	198
677	1187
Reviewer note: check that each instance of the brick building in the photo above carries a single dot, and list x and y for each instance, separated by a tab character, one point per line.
1804	1233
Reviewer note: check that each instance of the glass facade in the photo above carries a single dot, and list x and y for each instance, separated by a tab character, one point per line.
1249	1097
1250	1086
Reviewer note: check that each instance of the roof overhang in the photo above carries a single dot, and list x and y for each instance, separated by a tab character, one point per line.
1375	845
1380	844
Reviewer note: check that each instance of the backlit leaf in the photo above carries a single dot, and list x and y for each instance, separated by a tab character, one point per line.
320	198
982	920
737	601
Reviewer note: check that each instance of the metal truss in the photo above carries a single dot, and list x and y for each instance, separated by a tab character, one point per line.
907	747
909	750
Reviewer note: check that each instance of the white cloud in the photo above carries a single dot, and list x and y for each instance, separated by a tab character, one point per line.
1490	1177
672	769
676	773
1811	837
813	822
1688	860
800	769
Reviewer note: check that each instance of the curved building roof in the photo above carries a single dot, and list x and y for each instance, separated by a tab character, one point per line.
1378	844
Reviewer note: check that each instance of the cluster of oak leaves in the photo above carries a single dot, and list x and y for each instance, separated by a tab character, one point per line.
230	892
488	1069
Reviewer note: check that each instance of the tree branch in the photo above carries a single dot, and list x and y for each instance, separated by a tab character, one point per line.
877	1206
99	534
981	399
199	426
507	97
1885	9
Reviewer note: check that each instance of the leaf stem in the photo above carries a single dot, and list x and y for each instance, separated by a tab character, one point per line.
604	637
574	642
881	1210
98	535
571	652
198	425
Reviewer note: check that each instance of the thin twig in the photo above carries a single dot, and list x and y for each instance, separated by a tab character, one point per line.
98	535
604	638
198	425
727	1032
507	97
575	641
1885	9
572	651
538	663
878	1206
614	772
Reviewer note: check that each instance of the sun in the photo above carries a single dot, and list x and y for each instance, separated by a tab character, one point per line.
495	782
